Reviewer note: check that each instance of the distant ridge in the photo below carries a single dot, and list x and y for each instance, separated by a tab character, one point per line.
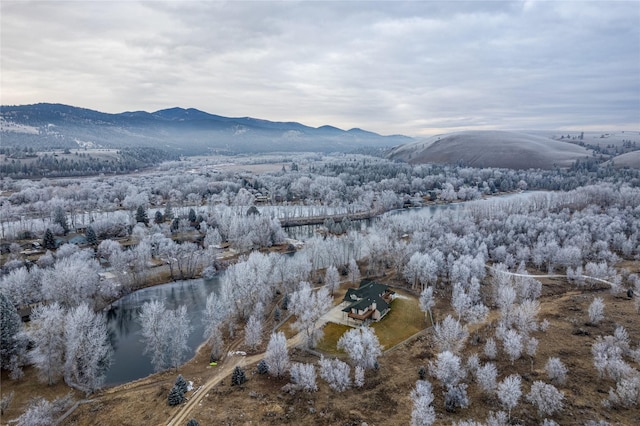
491	149
187	131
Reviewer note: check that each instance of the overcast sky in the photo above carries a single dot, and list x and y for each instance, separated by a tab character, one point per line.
414	68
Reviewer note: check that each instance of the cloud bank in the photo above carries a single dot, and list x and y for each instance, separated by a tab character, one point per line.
415	68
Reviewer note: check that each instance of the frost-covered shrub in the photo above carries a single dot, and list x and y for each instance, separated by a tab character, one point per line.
627	392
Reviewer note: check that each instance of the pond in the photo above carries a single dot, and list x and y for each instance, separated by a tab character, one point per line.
129	363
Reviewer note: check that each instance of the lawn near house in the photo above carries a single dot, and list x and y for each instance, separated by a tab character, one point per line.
403	321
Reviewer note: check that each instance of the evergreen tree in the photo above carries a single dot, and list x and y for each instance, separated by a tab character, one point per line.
48	242
192	215
176	396
193	422
175	224
10	326
92	238
181	383
238	377
141	216
158	217
61	219
263	367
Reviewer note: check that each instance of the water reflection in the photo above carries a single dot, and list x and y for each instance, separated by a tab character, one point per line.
122	319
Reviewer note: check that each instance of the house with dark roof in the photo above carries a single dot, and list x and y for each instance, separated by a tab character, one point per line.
370	301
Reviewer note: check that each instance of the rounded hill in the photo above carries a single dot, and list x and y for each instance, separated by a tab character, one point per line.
491	148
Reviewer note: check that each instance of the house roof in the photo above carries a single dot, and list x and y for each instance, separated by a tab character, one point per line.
364	296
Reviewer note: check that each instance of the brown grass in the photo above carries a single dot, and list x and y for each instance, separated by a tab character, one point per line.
384	400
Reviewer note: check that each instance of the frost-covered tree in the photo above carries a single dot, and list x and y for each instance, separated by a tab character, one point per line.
179	328
423	413
556	370
253	331
486	376
354	271
332	279
447	368
512	344
88	352
152	319
362	346
490	348
449	335
336	373
303	376
546	398
596	311
427	302
309	306
277	355
40	412
46	332
60	218
509	392
11	346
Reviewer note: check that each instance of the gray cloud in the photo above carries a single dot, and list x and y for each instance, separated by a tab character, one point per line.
413	68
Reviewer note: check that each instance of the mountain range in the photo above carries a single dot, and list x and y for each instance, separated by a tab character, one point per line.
187	131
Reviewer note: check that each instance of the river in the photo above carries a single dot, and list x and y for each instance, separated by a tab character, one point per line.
129	363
